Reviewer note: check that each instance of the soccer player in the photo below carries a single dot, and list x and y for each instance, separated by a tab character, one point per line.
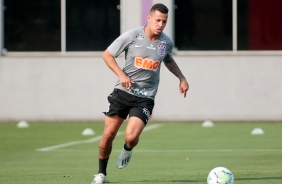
145	49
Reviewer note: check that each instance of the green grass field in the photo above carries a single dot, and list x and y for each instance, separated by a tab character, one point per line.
172	152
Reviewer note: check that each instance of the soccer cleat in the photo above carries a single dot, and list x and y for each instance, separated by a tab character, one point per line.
124	158
99	179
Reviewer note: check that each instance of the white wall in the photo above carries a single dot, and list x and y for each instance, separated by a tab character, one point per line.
130	17
221	87
224	87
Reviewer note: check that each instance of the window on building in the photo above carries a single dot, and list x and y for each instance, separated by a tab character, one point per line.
259	25
91	25
203	25
32	25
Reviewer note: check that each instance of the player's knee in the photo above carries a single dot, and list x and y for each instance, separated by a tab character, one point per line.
109	136
131	140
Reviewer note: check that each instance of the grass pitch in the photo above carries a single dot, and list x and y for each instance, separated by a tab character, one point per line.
174	152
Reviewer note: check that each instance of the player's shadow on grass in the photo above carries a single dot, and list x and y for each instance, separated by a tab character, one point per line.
259	178
236	179
163	181
199	181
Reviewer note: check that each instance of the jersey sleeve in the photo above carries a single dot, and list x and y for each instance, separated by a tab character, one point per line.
169	55
120	44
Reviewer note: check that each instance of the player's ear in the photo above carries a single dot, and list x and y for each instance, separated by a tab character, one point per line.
149	18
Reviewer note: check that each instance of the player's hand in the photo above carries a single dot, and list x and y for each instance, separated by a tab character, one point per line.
183	87
125	81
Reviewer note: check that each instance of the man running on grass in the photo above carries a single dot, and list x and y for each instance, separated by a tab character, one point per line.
145	49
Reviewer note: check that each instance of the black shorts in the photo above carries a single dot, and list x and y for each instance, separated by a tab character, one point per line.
124	104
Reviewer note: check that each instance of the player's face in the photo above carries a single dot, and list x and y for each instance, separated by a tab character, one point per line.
157	22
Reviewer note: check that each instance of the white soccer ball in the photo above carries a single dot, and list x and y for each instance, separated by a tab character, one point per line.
220	175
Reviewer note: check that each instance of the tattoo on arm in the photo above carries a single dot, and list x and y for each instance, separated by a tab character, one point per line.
173	68
105	152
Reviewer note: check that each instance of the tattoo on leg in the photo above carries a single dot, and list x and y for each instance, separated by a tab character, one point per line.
105	152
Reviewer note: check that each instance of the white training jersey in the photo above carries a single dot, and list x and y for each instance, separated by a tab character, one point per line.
143	60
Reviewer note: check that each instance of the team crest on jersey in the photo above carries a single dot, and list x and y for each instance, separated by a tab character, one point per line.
161	49
140	37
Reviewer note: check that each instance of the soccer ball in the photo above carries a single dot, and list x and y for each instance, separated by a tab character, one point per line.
220	175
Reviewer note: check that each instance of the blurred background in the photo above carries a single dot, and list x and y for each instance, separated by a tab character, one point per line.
229	50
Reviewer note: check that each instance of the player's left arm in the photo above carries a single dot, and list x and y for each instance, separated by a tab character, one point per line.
173	68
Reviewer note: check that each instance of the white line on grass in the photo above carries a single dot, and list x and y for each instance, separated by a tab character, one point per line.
204	151
137	150
50	148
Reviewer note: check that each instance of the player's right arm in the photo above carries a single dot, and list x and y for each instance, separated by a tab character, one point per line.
124	80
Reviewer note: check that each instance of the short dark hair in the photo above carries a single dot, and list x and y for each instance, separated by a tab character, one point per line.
160	7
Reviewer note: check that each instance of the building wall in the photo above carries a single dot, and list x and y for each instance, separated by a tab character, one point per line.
70	88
